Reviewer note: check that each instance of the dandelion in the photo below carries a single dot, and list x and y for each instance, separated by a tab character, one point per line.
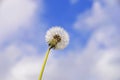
57	38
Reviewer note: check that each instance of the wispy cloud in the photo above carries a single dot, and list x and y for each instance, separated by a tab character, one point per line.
16	15
102	51
73	1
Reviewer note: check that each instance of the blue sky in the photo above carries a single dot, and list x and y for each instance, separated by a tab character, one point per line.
63	13
93	51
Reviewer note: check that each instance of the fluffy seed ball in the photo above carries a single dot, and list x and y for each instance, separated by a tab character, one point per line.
59	35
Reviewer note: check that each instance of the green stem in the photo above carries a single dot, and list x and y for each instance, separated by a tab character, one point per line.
44	63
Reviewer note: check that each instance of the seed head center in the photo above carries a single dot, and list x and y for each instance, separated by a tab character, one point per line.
57	37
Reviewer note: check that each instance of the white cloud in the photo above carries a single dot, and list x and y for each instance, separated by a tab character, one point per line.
91	64
16	15
106	68
93	18
102	51
27	69
11	55
100	15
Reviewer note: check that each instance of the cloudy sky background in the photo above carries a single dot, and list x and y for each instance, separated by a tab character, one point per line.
93	52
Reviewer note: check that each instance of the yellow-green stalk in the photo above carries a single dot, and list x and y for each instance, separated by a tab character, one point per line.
52	44
44	63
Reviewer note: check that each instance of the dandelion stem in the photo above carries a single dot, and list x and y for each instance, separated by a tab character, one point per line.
44	63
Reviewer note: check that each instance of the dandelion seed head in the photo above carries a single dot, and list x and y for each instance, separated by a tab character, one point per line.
57	37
